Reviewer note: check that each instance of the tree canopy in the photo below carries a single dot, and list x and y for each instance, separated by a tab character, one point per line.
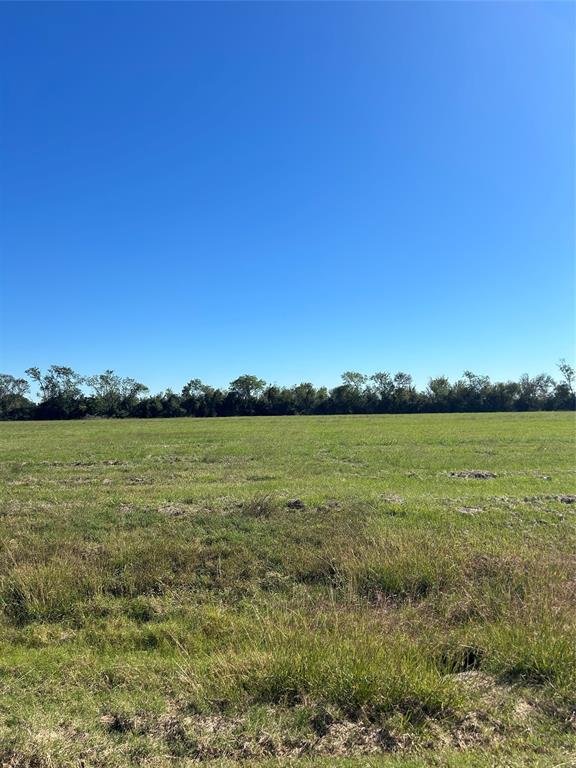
62	393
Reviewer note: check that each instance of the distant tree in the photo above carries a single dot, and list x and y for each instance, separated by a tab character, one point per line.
60	392
194	388
13	387
405	399
564	395
114	395
381	391
322	400
149	407
439	394
383	384
247	386
213	402
470	392
13	401
502	396
349	397
241	397
61	395
534	393
354	380
343	399
171	404
276	401
234	405
563	399
568	374
305	398
199	399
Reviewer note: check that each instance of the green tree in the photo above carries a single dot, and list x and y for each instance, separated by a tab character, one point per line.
439	393
114	395
247	386
404	392
60	392
13	401
355	380
568	374
305	397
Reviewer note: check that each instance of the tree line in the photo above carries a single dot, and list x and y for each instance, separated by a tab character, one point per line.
62	393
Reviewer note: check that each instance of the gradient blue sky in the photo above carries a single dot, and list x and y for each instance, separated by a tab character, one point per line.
287	189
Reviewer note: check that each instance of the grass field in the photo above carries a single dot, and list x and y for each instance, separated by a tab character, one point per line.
357	591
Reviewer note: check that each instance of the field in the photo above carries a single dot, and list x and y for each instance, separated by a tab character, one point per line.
355	591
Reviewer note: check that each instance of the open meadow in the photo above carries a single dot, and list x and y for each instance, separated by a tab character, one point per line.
355	591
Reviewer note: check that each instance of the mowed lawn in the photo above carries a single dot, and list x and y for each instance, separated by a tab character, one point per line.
342	590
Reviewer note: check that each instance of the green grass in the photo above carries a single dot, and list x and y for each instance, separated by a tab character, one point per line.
306	591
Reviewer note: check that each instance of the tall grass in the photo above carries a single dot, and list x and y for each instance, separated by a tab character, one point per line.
315	588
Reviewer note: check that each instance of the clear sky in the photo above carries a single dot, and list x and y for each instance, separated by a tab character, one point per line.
287	189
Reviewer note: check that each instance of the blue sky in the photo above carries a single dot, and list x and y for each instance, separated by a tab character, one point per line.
287	189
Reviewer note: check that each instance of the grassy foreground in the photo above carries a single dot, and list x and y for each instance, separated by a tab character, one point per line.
394	591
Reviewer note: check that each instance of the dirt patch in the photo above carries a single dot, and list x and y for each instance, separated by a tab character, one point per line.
171	459
472	474
15	506
139	481
127	509
523	710
227	737
343	738
331	505
563	498
118	722
392	498
470	511
26	481
295	504
172	510
214	737
476	728
106	462
474	680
